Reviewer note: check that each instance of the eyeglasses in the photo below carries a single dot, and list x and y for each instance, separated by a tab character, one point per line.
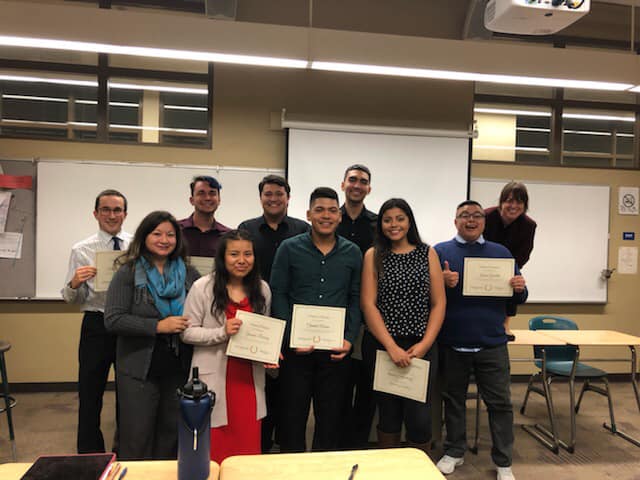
466	216
108	211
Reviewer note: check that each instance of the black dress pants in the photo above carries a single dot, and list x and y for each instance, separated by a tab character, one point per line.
309	377
96	354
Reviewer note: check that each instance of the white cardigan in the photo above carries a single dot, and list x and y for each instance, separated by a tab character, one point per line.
207	332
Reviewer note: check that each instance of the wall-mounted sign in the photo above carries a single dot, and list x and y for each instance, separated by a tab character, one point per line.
628	235
628	200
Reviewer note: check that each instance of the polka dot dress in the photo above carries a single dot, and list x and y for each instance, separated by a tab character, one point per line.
404	292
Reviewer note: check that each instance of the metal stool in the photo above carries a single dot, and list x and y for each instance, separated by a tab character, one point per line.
9	401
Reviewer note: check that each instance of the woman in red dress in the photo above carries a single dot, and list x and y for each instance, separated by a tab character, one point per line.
211	307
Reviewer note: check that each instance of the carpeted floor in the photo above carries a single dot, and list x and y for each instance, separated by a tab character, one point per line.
45	423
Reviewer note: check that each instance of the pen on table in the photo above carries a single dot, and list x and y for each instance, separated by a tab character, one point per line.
354	469
122	473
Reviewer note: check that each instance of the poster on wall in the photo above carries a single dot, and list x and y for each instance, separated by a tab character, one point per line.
628	260
628	200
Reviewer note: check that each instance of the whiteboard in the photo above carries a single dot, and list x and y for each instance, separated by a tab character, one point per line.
572	239
66	193
431	173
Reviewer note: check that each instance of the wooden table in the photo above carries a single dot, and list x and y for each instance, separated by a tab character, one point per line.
535	338
599	338
404	463
144	470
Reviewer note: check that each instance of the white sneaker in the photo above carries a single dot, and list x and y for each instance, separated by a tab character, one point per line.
505	473
448	464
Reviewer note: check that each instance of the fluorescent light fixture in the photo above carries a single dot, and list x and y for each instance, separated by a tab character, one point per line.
468	76
44	43
113	126
584	116
35	98
533	129
116	85
111	104
533	113
186	107
159	129
517	149
507	111
575	132
158	88
37	122
66	100
57	81
587	132
151	52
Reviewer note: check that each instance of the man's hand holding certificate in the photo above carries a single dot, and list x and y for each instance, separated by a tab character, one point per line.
259	338
488	277
409	382
319	327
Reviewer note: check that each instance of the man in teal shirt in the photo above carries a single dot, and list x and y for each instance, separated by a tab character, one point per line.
316	268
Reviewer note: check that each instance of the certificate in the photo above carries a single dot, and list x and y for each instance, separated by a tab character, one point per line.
318	327
408	382
488	277
105	268
259	338
204	265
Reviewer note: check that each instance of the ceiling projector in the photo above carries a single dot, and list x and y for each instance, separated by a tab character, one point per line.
533	17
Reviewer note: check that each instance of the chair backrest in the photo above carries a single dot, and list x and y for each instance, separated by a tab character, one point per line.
551	322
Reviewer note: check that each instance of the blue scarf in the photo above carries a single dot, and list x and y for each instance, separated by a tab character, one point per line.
167	290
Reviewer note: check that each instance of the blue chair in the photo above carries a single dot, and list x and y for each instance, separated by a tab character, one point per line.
561	362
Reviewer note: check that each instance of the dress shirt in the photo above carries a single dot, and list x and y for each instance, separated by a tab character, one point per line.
83	254
266	240
302	274
361	230
199	243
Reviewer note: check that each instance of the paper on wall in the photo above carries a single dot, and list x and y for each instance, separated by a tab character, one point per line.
5	201
628	260
11	245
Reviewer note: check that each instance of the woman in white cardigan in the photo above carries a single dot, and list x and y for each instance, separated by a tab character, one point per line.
211	307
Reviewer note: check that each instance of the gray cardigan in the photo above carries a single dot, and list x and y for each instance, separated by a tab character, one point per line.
130	313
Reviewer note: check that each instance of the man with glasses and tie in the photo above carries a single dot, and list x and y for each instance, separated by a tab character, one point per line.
97	349
473	338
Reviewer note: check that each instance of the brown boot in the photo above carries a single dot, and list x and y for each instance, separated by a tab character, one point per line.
388	440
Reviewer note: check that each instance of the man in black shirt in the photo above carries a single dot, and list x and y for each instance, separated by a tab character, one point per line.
358	225
268	231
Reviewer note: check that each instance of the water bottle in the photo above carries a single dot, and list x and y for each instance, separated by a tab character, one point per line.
196	403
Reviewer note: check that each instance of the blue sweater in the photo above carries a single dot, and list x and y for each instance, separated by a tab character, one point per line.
473	321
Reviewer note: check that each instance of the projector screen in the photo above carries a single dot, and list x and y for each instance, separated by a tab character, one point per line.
431	173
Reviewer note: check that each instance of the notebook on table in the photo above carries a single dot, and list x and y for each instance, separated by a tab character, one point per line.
71	467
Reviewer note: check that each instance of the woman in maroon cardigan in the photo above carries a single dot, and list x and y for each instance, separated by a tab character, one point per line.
509	225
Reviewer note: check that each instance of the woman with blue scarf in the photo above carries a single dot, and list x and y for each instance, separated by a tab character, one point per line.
144	308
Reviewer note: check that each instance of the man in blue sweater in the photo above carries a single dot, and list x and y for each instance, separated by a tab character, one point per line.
473	339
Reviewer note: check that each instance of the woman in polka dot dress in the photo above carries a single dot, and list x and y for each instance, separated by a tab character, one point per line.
403	301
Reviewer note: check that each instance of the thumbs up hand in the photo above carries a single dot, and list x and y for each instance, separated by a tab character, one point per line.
450	278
